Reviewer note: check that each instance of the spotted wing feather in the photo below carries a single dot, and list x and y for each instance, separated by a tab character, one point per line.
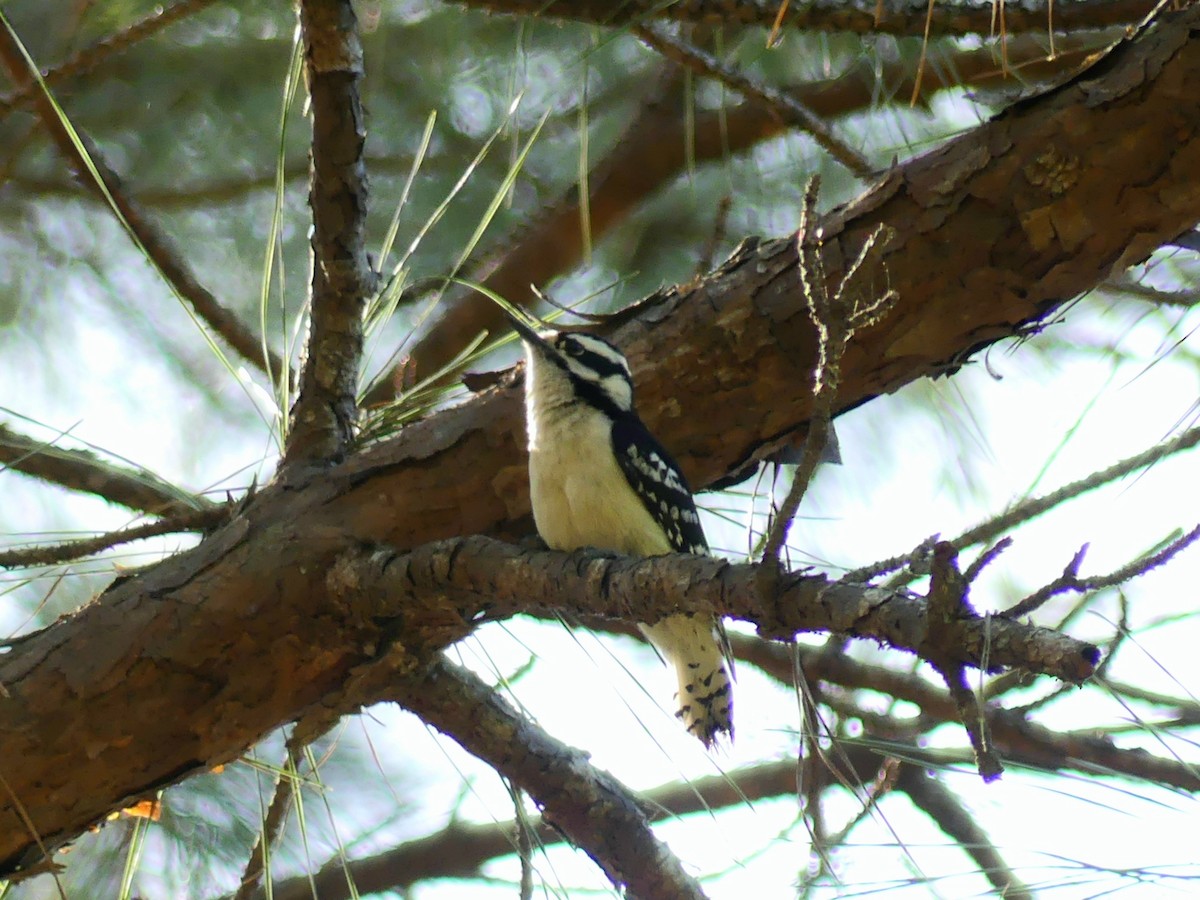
698	650
657	480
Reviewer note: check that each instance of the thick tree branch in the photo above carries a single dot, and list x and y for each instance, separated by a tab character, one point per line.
900	17
82	470
476	579
325	409
324	626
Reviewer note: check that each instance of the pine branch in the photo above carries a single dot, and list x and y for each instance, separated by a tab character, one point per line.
87	472
596	812
653	151
903	18
325	410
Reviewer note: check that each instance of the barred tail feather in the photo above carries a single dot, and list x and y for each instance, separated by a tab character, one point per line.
694	647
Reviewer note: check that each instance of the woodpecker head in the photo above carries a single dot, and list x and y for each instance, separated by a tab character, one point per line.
567	367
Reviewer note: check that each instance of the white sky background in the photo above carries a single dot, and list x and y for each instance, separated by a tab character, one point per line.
975	444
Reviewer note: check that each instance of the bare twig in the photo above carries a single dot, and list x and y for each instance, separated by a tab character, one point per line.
96	174
788	107
82	470
268	835
948	607
194	520
836	318
1070	580
324	413
524	832
1034	507
93	55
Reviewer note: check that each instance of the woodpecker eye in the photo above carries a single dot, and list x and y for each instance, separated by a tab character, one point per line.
574	348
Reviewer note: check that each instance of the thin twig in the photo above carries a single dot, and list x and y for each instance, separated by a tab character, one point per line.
524	841
95	173
783	104
1034	507
1069	580
87	472
193	520
855	304
268	835
93	55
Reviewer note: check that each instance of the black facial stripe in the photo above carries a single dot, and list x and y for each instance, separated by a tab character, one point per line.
593	394
601	365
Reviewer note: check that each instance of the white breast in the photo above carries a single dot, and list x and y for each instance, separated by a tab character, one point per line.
579	493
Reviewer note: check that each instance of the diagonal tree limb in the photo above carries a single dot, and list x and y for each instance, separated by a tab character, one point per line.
596	812
159	247
780	103
460	850
899	17
93	55
323	416
942	806
87	472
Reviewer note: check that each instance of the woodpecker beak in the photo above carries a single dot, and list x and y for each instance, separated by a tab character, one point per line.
528	335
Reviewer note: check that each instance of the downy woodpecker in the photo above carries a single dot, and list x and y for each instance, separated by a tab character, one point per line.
598	478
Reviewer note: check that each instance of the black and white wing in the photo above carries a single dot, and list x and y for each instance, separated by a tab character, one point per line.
657	480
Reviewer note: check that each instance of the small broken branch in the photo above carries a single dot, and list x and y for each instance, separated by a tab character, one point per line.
948	608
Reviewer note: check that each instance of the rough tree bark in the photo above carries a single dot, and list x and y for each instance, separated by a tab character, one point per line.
184	665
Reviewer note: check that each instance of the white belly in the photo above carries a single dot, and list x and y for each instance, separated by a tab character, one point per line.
580	496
